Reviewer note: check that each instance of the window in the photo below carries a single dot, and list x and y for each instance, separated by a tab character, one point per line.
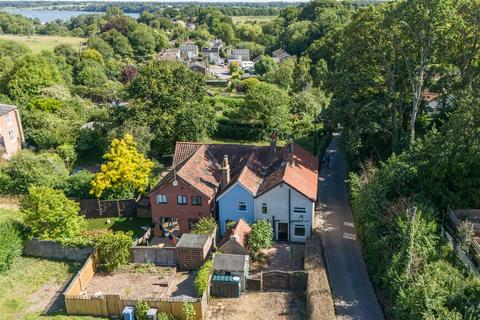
11	135
299	210
299	230
242	206
264	208
182	199
161	198
191	223
8	118
196	201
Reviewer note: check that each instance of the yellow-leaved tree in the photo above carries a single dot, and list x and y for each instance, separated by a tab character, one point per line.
125	171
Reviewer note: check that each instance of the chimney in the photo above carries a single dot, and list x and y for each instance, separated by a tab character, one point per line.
290	154
225	172
273	146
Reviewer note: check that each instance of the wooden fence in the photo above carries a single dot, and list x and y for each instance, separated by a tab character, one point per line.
94	208
160	256
276	280
77	302
454	218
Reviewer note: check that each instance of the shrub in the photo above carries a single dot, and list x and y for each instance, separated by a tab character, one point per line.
205	226
141	309
188	311
50	215
10	244
261	237
114	250
201	280
77	185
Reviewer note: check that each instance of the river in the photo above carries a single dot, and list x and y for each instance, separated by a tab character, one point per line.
51	15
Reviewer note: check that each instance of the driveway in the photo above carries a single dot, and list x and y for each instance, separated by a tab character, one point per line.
354	296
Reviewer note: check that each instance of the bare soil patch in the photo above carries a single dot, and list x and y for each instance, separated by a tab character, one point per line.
263	305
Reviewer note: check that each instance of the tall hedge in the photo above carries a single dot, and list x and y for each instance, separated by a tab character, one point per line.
10	244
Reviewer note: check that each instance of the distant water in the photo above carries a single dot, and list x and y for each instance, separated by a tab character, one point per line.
51	15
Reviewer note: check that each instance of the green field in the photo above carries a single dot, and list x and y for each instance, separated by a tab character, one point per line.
38	43
242	19
29	287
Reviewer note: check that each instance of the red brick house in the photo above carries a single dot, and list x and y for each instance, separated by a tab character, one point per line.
187	192
11	131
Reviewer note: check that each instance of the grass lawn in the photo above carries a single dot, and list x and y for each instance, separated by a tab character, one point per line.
243	19
30	285
120	224
38	43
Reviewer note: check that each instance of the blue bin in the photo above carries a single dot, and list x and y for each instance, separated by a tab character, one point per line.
128	313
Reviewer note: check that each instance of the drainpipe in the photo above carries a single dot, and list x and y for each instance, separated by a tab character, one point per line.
289	210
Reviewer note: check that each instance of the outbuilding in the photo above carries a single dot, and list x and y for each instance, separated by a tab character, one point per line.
192	250
232	265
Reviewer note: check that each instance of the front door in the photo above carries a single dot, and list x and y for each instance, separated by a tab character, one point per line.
282	231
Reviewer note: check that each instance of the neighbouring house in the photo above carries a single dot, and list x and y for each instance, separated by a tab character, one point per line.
235	182
232	265
280	55
198	67
247	65
171	54
212	55
238	55
188	52
235	240
192	250
11	131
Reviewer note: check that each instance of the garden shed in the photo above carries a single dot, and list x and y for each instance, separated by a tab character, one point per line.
192	250
232	265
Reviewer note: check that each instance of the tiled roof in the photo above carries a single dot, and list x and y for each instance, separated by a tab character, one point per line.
5	108
253	167
240	230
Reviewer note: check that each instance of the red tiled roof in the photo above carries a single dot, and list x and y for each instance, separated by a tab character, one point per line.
252	174
240	230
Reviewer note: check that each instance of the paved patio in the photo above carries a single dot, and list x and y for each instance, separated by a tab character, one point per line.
285	257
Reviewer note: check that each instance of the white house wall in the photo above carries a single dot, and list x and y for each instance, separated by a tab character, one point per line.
277	208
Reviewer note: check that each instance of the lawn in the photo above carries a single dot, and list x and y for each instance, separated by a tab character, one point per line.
6	214
120	224
38	43
243	19
30	285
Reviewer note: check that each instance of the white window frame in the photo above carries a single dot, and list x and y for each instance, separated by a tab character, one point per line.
241	203
299	210
8	119
295	226
11	135
182	196
264	205
161	198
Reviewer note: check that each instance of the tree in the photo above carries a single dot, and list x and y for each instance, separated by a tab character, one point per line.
125	171
264	65
260	237
50	215
282	74
249	31
296	36
114	250
120	44
143	40
268	105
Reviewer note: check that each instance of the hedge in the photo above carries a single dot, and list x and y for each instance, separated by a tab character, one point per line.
10	244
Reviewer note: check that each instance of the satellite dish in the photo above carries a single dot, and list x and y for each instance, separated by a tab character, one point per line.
175	183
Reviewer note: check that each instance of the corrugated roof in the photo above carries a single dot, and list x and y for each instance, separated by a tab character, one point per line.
229	262
191	240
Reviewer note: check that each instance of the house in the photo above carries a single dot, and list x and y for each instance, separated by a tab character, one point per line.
212	55
247	65
280	55
188	52
235	240
171	54
232	265
192	250
235	182
11	131
198	67
238	55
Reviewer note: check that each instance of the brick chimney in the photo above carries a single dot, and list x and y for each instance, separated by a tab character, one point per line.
273	146
225	172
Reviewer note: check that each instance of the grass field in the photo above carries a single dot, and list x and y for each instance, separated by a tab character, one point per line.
120	224
30	285
242	19
6	214
38	43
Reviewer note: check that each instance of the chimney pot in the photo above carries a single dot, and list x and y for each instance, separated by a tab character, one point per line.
225	172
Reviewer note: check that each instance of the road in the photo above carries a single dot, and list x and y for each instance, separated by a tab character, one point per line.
354	296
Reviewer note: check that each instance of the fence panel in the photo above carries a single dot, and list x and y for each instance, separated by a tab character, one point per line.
53	250
160	256
93	208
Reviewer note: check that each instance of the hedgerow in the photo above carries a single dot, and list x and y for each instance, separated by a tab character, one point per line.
201	280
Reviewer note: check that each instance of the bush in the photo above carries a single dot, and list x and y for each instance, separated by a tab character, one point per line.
201	280
10	244
261	237
141	309
50	215
205	226
114	250
188	311
77	185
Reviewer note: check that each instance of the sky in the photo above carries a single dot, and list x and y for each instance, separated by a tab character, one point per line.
199	1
